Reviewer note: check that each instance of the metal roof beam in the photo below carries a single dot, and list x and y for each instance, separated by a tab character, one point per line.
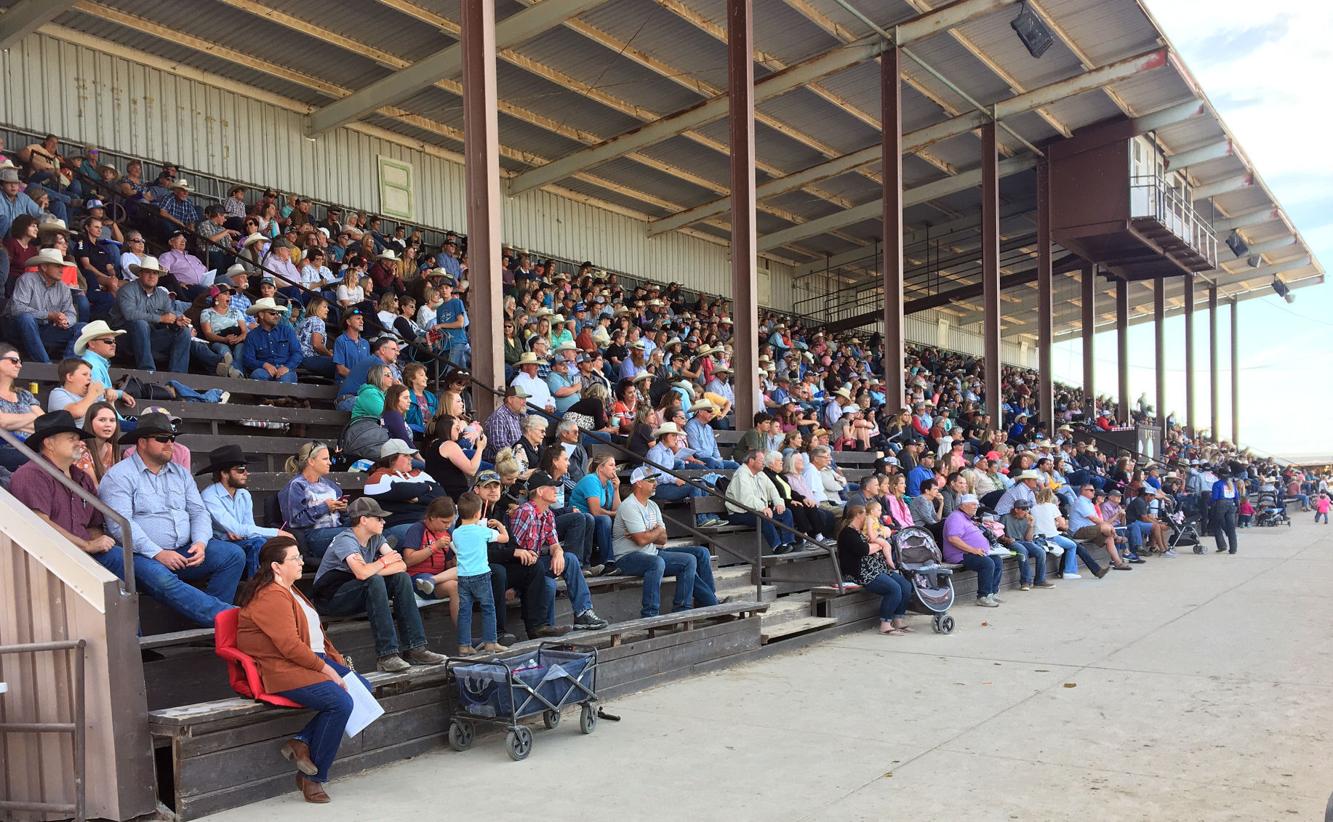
1212	151
1268	270
796	76
26	16
1168	116
1263	215
446	63
1264	248
911	197
1223	186
930	135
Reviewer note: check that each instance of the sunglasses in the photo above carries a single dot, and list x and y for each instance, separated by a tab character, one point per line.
240	469
14	360
164	438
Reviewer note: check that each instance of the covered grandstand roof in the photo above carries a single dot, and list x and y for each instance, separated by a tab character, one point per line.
610	99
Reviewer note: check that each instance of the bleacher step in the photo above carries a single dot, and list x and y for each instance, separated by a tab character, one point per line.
790	616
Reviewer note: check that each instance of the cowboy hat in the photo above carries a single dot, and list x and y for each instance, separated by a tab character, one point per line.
642	375
704	404
181	183
55	422
844	393
223	458
265	304
723	369
93	331
236	269
149	265
9	174
252	239
1028	475
387	254
666	428
529	358
47	256
56	226
149	425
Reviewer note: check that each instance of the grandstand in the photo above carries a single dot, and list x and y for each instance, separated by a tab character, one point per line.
914	188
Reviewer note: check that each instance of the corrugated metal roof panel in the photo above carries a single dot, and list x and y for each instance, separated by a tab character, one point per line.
653	29
689	155
567	106
1105	31
382	27
822	120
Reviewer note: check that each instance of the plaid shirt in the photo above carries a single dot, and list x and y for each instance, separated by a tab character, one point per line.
532	529
182	210
503	429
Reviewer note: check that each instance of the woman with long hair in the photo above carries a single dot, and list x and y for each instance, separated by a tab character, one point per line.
896	500
397	401
103	450
422	405
873	570
21	245
598	495
575	528
625	406
311	502
445	459
280	630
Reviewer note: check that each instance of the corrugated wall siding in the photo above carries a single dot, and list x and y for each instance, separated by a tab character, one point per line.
83	94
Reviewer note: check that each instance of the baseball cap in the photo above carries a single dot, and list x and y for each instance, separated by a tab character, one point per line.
365	507
394	447
541	479
968	498
643	472
1022	503
486	478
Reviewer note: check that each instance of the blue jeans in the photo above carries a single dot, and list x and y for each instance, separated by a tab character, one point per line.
692	589
185	393
251	547
1136	531
1038	554
170	342
601	539
460	354
669	491
475	589
208	356
988	571
317	541
261	374
575	587
35	339
320	365
713	462
371	596
575	530
894	591
222	567
1073	553
324	732
772	536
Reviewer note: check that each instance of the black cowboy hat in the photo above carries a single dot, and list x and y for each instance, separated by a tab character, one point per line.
149	425
222	458
56	422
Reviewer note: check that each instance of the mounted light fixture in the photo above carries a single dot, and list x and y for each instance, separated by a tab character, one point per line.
1236	244
1254	260
1283	290
1031	31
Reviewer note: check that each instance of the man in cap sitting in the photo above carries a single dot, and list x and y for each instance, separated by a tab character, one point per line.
171	532
272	351
230	507
532	529
41	315
148	313
639	538
1020	528
964	543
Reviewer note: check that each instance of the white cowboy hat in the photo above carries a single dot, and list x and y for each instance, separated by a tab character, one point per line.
666	428
1028	475
252	239
93	331
530	358
56	226
644	375
844	393
236	269
265	304
181	183
387	254
47	256
704	404
566	346
149	264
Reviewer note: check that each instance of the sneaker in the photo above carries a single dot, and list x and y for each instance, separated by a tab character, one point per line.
421	656
1045	584
235	373
986	602
611	570
392	664
546	631
1026	586
593	570
996	598
711	521
507	639
1170	553
224	368
1137	560
1072	576
424	585
466	650
225	398
589	621
493	648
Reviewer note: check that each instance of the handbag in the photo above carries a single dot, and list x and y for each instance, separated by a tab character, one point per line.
141	390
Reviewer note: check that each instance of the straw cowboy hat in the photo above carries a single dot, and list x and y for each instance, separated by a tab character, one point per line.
704	404
529	358
387	254
265	304
93	331
182	183
56	226
149	265
252	239
47	256
667	428
1028	475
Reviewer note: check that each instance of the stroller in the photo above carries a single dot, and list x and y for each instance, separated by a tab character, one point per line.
1271	511
1184	530
916	555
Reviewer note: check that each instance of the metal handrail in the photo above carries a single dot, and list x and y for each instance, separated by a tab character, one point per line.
77	728
127	536
1176	213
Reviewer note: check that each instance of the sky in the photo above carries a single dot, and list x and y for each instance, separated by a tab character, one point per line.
1266	68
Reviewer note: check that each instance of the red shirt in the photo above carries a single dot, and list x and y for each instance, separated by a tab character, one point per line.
438	561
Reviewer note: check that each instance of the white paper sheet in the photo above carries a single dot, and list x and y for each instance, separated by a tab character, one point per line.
365	709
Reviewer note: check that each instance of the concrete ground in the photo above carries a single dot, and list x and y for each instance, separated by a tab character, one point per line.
1196	688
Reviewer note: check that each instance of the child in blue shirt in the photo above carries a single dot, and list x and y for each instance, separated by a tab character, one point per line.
474	574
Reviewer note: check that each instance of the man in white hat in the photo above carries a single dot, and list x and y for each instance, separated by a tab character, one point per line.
699	434
670	452
1024	488
148	313
13	202
271	351
539	394
41	314
96	346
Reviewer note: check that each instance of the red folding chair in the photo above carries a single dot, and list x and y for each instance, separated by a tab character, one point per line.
241	669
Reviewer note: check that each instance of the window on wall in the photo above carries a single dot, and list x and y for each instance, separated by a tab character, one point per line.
396	189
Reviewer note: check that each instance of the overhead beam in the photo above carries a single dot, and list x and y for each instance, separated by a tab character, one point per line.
1202	154
1223	186
930	135
1263	215
1270	270
794	77
26	16
1168	116
446	63
868	211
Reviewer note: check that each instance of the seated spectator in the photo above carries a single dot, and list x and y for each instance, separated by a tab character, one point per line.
180	455
756	439
504	427
699	433
21	246
370	396
148	313
271	351
41	315
1019	527
361	573
954	488
1141	526
751	489
825	478
312	504
897	507
795	467
445	459
223	327
1048	525
1024	489
922	474
873	570
384	351
423	405
598	495
806	514
567	435
640	537
927	506
533	529
670	444
230	507
183	271
396	404
573	527
280	629
1086	525
399	487
964	543
528	379
77	391
311	331
102	449
471	540
529	448
172	535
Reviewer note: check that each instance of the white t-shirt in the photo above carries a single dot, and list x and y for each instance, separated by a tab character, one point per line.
1043	519
312	622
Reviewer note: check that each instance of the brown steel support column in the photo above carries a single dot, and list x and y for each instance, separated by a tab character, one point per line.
1214	411
990	271
1045	379
1190	420
745	311
1235	376
481	149
892	127
1159	358
1088	282
1124	405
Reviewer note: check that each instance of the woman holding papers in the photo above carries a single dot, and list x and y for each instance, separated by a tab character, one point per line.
280	629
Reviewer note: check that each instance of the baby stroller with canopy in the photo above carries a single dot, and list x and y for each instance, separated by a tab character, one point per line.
1271	511
919	558
1184	530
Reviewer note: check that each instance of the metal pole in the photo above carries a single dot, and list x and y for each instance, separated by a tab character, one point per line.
1045	377
1088	283
990	276
745	311
1159	357
892	126
1122	351
1235	375
481	148
80	733
1190	421
1215	412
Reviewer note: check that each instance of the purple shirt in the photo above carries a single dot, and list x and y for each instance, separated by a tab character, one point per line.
39	491
960	525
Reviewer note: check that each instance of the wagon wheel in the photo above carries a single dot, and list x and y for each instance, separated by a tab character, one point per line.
551	718
588	718
519	743
460	735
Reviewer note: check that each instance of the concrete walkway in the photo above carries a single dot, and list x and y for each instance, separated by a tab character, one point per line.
1192	688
